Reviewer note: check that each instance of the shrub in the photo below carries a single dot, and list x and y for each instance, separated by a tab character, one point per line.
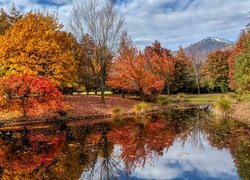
117	112
181	97
163	100
222	106
141	108
150	97
29	94
143	120
234	97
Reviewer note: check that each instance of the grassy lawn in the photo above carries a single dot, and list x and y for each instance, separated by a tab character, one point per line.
246	98
202	98
207	98
189	98
93	93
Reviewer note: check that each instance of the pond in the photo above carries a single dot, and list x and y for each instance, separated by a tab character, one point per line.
181	144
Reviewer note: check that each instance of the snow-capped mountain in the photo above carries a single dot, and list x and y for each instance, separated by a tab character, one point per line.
207	45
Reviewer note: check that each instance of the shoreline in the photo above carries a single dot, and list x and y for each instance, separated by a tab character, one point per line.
79	112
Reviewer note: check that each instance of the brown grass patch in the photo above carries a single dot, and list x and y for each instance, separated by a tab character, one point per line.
241	112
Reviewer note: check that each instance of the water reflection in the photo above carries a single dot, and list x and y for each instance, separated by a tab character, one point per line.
175	145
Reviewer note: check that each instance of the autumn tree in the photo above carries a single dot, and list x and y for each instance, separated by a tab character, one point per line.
146	73
117	73
231	60
28	94
104	25
238	61
161	62
133	74
216	70
9	18
88	66
242	67
182	72
37	45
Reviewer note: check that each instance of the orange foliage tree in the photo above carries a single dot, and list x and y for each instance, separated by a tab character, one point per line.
29	94
37	45
161	62
117	73
143	73
134	74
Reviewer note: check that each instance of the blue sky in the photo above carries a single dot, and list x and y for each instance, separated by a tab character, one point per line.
172	22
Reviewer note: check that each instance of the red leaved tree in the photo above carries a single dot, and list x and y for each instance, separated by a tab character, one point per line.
117	74
132	71
161	62
133	74
28	94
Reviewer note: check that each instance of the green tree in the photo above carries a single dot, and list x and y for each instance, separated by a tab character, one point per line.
182	80
88	66
242	68
8	19
216	70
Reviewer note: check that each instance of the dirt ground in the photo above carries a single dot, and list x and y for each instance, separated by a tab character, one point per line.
81	105
241	112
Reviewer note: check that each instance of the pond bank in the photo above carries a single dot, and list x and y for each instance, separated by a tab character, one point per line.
241	112
88	109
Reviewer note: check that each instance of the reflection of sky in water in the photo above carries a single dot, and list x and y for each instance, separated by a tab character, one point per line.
190	162
181	161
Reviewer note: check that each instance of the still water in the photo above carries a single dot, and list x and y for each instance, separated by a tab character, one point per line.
176	145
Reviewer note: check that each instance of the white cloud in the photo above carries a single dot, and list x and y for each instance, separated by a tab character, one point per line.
180	161
176	22
173	22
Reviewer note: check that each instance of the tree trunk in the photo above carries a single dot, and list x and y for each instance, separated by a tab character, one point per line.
198	86
102	89
87	92
168	89
141	95
23	107
123	94
95	90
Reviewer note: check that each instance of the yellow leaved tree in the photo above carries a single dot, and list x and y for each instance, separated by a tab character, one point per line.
37	45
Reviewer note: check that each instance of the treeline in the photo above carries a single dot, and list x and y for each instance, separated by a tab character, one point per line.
98	55
156	69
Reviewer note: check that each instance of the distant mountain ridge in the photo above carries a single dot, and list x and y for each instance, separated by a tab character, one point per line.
202	48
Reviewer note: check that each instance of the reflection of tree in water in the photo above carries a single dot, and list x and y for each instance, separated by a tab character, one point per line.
195	130
189	126
141	143
103	164
25	155
233	136
99	151
1	172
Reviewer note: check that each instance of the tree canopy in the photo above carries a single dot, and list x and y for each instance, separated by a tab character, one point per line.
37	45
